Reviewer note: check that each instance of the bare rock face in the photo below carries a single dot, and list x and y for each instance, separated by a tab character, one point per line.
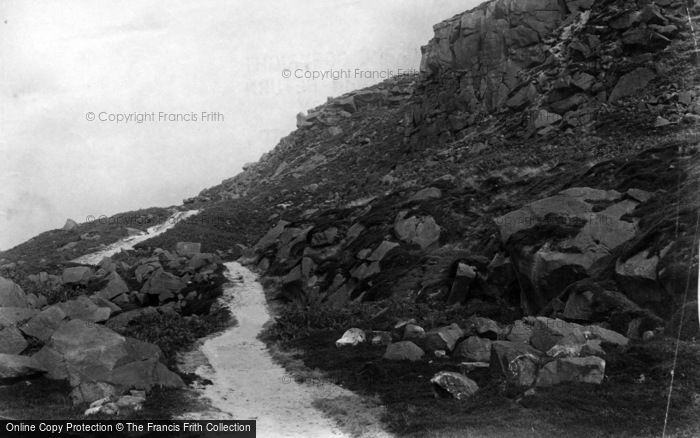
492	43
100	363
555	241
11	295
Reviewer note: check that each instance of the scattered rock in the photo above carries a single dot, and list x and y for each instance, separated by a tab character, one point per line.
413	331
451	384
631	83
77	275
12	341
69	225
380	338
11	295
520	332
403	350
43	325
13	366
115	286
474	349
351	337
442	338
426	194
381	251
83	308
188	249
637	278
420	230
515	361
572	369
660	122
163	284
484	327
12	316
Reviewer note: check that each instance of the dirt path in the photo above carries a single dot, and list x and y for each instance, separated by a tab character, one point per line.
248	384
129	242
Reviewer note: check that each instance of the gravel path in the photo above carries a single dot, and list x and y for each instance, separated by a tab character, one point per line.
129	242
248	384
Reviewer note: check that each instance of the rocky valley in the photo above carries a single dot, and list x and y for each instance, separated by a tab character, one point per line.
503	245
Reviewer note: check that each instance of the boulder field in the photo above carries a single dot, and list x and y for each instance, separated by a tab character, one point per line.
78	339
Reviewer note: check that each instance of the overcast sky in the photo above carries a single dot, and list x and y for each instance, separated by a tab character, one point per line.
60	61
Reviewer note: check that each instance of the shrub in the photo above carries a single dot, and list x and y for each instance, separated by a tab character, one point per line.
173	332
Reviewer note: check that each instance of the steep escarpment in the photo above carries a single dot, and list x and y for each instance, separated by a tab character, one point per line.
517	153
529	203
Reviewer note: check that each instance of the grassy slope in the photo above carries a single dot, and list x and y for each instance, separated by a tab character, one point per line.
621	406
40	253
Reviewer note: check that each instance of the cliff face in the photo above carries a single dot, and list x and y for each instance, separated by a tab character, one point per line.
494	42
556	63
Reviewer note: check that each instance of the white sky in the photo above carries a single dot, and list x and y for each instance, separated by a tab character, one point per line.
60	60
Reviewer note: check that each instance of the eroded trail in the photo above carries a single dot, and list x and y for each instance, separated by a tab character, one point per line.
129	242
248	384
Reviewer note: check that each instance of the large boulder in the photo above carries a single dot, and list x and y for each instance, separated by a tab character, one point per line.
548	332
519	331
404	350
451	384
12	316
77	275
631	83
99	362
556	241
351	337
44	324
474	349
85	309
516	362
11	295
271	237
325	237
115	287
163	284
589	369
69	225
484	327
637	277
381	251
122	321
143	271
586	300
12	341
442	338
420	230
13	366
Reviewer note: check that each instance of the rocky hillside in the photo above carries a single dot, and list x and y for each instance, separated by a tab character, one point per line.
545	144
543	169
